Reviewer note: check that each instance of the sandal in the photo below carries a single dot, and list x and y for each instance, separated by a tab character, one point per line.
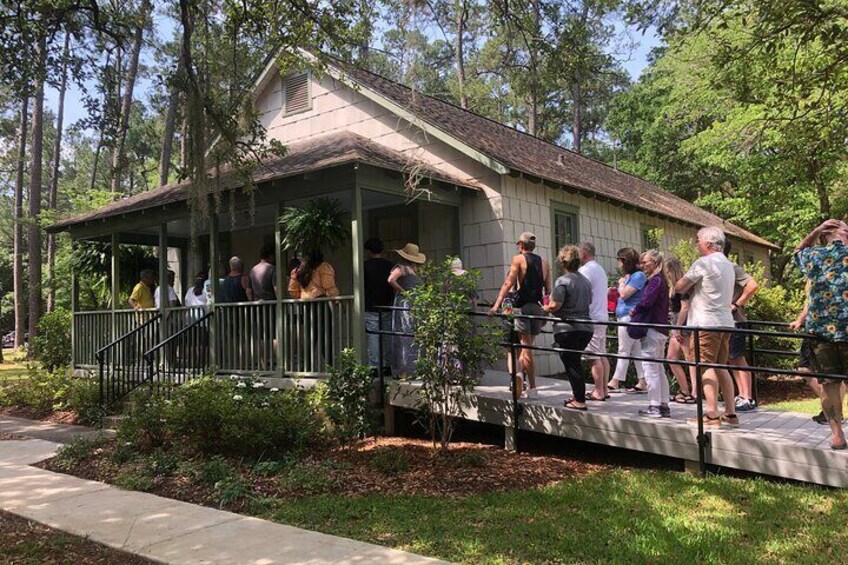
636	390
570	404
681	398
730	419
591	398
839	447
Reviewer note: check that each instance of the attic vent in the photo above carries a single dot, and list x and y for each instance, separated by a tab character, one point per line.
297	94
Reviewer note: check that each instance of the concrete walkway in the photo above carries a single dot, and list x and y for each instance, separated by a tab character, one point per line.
59	433
162	529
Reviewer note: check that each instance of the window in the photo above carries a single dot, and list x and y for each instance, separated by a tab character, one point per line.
564	223
297	94
650	237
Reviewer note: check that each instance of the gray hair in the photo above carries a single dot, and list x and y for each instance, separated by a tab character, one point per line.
587	247
713	237
236	264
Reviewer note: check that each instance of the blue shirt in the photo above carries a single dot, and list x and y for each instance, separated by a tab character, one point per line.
637	280
827	268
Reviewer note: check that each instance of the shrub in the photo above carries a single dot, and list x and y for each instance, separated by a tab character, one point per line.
146	427
452	347
41	391
232	489
232	418
312	478
389	462
215	470
77	450
52	343
348	402
82	396
134	477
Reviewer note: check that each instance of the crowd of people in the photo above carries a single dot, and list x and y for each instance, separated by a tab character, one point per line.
652	290
711	295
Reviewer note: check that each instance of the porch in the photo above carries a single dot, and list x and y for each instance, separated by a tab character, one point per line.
282	337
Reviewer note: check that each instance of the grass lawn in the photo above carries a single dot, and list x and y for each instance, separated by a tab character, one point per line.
809	406
623	516
14	366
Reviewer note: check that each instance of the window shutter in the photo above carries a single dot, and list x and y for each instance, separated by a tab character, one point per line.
297	93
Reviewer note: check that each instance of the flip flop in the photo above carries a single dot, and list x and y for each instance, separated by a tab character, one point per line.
636	390
571	406
590	398
839	447
685	399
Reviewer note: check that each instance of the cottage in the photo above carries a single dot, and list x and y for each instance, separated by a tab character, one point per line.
363	139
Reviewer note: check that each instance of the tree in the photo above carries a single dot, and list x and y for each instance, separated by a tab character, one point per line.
18	246
34	255
54	177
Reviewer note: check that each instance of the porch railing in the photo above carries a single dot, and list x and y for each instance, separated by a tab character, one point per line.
184	355
121	367
92	330
302	339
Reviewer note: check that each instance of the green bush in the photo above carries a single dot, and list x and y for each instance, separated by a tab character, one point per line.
52	342
389	461
82	396
348	402
233	489
215	470
227	417
41	391
76	451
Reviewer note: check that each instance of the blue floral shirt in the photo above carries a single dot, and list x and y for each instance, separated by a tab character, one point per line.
827	269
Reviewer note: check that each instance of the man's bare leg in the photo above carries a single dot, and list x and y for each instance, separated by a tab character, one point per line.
600	374
710	381
726	383
742	377
525	360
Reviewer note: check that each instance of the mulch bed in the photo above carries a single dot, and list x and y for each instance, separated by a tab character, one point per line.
51	416
467	469
24	541
10	437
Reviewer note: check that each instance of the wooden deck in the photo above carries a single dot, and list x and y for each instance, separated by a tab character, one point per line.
782	444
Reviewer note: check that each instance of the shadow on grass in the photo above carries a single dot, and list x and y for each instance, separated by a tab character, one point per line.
629	516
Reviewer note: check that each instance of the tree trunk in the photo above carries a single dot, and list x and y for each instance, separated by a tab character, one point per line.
53	195
533	101
118	160
18	255
35	178
170	126
459	51
99	147
577	117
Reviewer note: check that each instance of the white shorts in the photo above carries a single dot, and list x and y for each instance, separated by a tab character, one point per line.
598	343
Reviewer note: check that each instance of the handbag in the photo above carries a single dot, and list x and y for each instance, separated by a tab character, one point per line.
638	332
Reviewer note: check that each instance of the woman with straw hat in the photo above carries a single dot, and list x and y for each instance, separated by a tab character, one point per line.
403	278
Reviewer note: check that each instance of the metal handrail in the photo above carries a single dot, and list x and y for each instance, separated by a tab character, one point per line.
703	438
99	352
149	354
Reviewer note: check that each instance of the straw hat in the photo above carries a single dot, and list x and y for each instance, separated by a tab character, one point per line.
410	253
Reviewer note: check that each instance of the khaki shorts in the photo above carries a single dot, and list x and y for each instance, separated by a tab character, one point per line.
829	357
715	347
532	327
598	343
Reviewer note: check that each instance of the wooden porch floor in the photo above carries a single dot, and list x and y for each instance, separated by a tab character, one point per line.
781	444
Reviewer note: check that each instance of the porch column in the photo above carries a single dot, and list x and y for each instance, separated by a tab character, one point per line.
163	281
74	308
281	288
213	283
116	285
357	231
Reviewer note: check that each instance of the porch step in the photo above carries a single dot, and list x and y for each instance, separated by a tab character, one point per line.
112	421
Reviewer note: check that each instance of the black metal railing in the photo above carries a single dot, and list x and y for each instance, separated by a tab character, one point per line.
179	358
513	346
120	363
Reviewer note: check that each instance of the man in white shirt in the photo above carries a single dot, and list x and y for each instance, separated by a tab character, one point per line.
173	300
597	276
710	283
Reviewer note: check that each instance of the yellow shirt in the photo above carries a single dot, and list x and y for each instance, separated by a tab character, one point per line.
323	283
142	296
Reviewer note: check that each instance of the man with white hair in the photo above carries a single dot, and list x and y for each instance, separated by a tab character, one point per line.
597	276
709	283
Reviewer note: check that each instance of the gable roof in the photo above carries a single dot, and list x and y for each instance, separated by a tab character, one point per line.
318	153
525	154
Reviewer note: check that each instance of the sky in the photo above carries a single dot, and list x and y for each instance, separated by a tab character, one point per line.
74	109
